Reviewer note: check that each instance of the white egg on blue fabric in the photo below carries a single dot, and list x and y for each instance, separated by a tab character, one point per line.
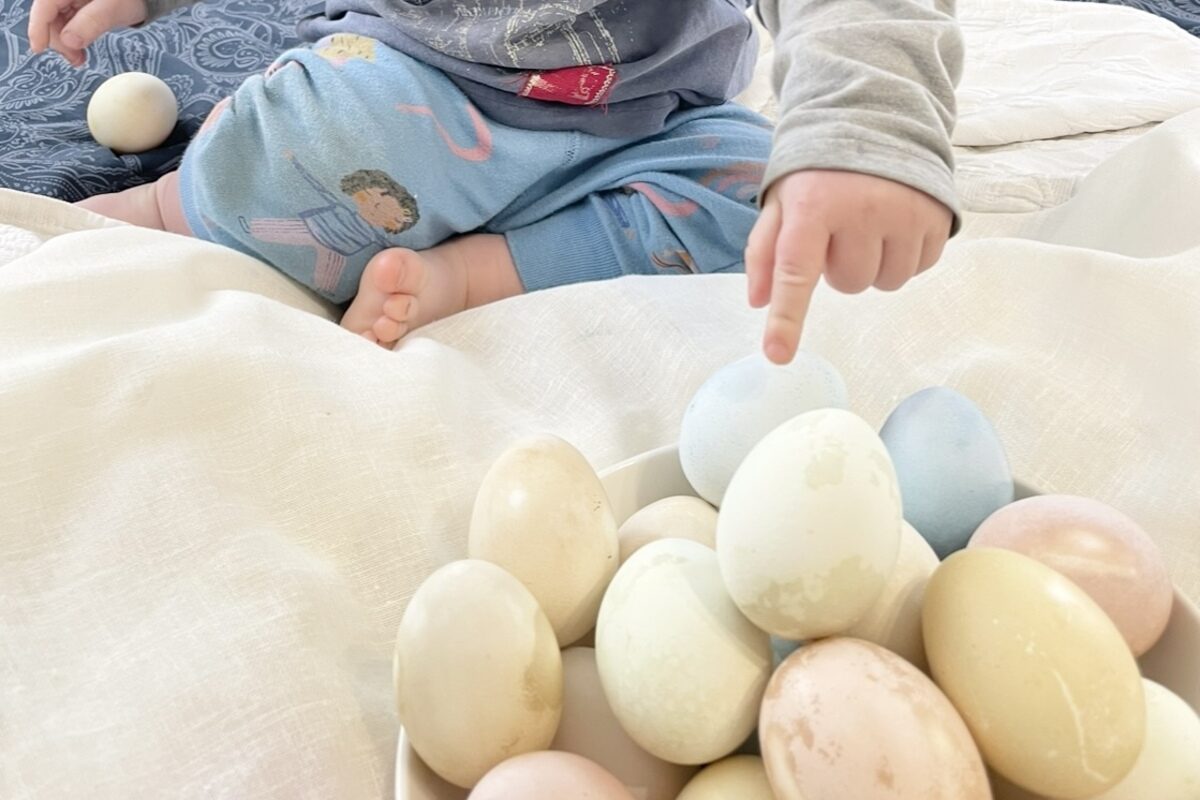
740	404
132	112
951	466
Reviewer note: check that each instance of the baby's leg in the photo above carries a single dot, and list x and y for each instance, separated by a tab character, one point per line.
151	205
333	158
681	202
401	290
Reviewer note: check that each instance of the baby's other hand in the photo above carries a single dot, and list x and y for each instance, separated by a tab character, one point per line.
857	230
70	26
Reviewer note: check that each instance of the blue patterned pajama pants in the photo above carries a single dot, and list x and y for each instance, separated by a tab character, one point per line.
347	147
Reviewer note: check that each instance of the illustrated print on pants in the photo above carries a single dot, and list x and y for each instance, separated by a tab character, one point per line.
344	47
740	181
382	207
481	151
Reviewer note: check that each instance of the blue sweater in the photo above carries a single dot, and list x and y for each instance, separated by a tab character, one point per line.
608	67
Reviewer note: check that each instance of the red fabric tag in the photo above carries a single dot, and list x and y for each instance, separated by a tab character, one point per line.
577	86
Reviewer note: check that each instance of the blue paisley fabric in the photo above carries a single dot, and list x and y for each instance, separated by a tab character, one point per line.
1184	13
203	52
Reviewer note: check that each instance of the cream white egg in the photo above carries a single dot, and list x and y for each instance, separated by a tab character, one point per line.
542	514
735	778
1169	765
810	527
670	518
894	621
682	668
478	673
132	112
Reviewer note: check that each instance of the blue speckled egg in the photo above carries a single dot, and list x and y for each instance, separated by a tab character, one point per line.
740	404
950	465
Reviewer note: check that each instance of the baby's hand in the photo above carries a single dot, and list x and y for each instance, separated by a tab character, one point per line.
70	26
857	230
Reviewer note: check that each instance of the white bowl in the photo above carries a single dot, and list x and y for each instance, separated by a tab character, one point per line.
1174	661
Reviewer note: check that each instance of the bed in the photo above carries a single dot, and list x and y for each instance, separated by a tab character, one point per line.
215	503
203	52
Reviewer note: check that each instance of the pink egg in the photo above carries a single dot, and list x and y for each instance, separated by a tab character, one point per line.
549	775
844	719
1101	550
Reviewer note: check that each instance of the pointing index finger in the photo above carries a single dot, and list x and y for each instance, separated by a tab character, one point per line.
799	262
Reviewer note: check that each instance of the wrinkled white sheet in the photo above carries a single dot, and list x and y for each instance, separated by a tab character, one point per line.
214	502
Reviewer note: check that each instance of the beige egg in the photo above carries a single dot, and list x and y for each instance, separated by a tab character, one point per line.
549	776
809	528
670	518
682	668
132	112
733	778
844	718
1103	551
478	673
1041	675
1169	765
894	622
590	729
542	514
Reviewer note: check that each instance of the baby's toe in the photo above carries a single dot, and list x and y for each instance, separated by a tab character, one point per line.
388	330
400	307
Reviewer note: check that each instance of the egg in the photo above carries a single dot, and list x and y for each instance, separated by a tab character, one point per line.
733	778
1168	767
590	729
549	776
894	622
950	464
1106	553
810	527
740	404
844	718
682	668
542	514
670	518
1041	675
478	674
132	112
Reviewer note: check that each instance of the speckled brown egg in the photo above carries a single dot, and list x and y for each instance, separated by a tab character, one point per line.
844	718
1103	551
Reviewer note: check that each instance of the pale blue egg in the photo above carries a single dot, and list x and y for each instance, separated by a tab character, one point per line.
740	404
951	466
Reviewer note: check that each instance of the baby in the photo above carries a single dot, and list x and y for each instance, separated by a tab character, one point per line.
421	157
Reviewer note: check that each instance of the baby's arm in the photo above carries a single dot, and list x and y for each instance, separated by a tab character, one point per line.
860	183
70	26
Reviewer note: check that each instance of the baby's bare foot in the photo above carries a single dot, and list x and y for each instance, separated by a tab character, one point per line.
401	290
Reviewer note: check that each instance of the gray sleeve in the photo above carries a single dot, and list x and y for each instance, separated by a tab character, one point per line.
866	86
160	8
